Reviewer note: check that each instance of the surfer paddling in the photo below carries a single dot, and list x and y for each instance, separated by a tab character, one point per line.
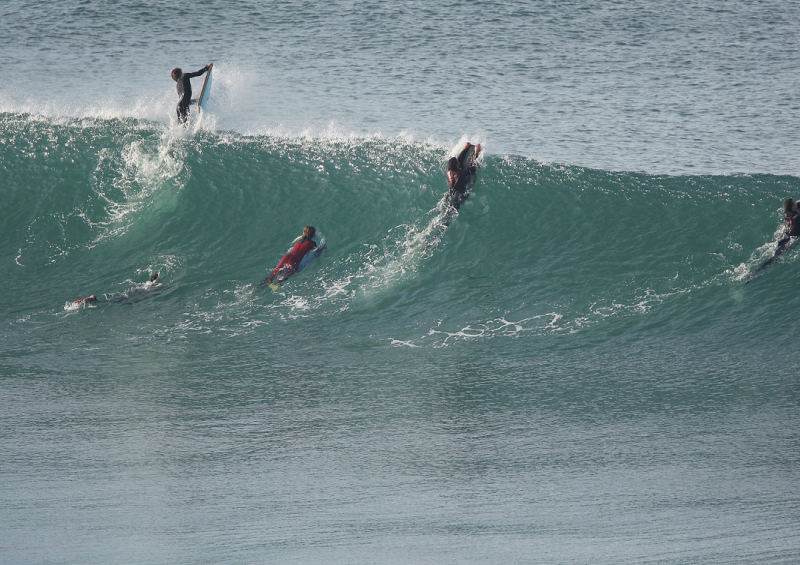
459	173
88	300
791	219
154	286
289	263
184	87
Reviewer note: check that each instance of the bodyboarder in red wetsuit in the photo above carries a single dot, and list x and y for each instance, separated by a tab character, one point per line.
292	259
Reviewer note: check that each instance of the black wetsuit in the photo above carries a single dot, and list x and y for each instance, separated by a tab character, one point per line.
458	190
792	221
184	87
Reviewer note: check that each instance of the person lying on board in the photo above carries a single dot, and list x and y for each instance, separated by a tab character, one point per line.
291	260
458	176
184	87
92	299
791	219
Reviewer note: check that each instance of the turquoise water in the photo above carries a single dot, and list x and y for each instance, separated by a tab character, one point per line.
572	371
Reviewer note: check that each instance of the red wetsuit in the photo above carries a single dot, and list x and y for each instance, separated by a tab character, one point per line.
293	258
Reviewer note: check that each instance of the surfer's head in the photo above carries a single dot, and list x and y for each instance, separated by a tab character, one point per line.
789	205
452	164
309	231
176	73
153	277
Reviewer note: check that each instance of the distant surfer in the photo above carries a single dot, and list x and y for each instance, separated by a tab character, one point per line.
184	87
132	296
791	219
459	174
88	300
290	261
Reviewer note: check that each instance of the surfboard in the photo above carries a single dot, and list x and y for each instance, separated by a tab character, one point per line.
307	259
468	156
206	92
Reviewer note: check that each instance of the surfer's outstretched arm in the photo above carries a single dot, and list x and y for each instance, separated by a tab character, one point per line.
200	72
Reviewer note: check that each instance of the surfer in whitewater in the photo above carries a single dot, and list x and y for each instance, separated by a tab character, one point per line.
184	87
290	261
791	220
459	173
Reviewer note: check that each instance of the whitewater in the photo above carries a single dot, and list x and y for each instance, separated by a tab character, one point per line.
572	370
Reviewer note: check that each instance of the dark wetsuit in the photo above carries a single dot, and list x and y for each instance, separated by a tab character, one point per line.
292	259
184	87
792	221
458	186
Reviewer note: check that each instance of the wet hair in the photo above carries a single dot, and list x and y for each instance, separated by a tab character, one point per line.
309	232
788	204
176	73
153	277
452	164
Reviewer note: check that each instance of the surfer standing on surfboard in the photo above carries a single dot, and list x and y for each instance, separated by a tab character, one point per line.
458	174
185	90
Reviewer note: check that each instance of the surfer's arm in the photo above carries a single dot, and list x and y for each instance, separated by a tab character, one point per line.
452	179
198	73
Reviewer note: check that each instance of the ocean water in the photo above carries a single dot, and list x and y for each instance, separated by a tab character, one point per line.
572	371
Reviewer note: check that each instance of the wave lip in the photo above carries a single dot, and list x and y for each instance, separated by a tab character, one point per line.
560	247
